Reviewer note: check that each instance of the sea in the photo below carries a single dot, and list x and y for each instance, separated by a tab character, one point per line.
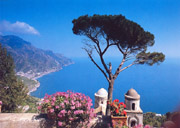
157	85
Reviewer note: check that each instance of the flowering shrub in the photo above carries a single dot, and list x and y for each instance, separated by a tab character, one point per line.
141	126
117	109
68	109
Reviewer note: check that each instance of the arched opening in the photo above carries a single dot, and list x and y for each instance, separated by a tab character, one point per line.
133	106
133	123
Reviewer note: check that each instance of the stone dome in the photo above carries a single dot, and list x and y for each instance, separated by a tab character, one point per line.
132	94
101	93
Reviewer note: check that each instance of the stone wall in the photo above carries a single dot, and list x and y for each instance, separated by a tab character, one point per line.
30	120
24	120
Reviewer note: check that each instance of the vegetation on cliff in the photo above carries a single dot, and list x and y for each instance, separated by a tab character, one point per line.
31	84
31	103
12	91
153	119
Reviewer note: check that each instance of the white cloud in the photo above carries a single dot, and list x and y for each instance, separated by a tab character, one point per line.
17	27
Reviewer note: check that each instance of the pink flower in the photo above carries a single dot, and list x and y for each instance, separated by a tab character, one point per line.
52	103
0	102
59	115
139	126
72	102
63	111
147	126
87	112
73	107
54	98
46	101
60	123
67	102
51	110
66	95
57	107
78	104
61	104
71	118
39	107
78	112
69	112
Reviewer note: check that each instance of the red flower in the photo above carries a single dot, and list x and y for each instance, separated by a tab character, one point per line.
124	106
121	103
116	100
112	104
117	111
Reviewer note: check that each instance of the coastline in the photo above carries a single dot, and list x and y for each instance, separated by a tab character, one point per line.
39	75
35	88
45	73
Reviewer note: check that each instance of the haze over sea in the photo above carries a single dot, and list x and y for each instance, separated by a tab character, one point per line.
158	85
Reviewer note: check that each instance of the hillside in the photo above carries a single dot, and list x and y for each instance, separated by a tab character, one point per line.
30	61
31	84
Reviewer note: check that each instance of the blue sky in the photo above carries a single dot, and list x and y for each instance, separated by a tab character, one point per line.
47	24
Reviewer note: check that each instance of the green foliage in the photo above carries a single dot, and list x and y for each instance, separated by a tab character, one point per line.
116	27
28	82
116	30
12	91
124	126
32	102
151	119
150	58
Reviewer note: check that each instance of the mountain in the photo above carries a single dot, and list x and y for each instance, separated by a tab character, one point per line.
30	61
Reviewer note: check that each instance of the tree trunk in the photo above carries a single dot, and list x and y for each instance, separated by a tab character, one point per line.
110	92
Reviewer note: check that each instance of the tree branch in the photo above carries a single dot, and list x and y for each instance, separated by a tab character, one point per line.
127	66
130	58
110	71
100	52
120	49
108	45
96	49
89	54
118	70
92	38
107	40
102	59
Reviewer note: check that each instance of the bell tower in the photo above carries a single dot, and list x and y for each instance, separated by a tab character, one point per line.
101	100
134	112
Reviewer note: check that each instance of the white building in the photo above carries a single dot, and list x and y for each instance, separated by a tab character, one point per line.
101	100
134	112
132	101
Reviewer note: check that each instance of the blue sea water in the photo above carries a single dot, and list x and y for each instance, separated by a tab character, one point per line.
158	85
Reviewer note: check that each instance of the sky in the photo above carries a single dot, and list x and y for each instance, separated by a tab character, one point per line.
47	24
